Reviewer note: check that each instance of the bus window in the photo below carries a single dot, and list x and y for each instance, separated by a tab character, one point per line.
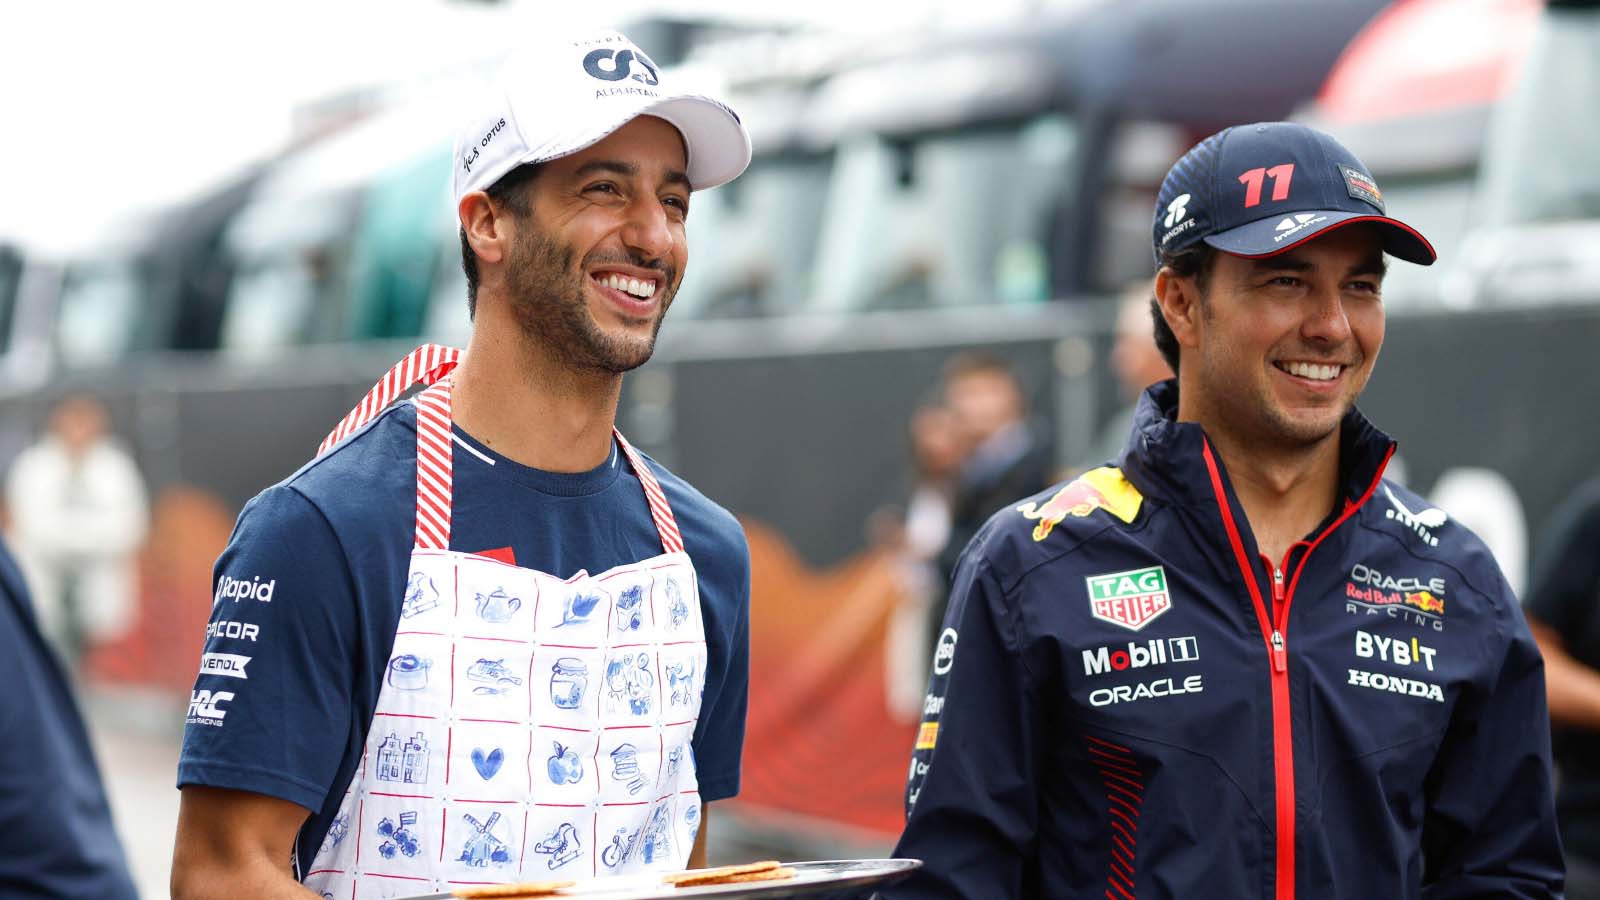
1540	163
945	219
1536	225
753	241
99	311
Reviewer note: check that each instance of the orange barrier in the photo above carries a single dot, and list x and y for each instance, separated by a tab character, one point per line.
188	529
821	741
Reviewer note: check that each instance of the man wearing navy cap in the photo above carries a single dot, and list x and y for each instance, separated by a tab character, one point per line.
1237	661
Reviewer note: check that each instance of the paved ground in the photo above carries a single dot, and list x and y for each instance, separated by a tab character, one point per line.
136	738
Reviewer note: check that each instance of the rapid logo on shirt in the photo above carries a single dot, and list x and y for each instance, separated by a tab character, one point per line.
205	707
1102	488
1131	599
237	589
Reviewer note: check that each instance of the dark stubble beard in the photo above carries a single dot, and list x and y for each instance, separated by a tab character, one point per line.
552	310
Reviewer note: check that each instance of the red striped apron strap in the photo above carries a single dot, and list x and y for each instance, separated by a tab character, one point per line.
426	364
660	511
435	467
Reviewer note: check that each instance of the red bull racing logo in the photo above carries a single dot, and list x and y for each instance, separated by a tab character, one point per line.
1102	488
1414	599
1426	602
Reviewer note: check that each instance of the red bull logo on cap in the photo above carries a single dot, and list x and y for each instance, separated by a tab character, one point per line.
1102	488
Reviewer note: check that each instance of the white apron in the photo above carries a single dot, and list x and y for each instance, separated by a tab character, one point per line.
528	727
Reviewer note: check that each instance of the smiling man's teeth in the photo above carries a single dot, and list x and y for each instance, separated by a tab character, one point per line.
1311	371
642	289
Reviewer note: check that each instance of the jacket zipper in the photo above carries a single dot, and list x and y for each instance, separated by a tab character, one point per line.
1280	654
1273	624
1282	729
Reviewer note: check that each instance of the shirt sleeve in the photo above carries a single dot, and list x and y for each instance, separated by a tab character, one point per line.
271	710
972	797
1490	825
719	735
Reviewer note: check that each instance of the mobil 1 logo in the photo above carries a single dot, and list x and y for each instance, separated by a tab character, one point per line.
1138	654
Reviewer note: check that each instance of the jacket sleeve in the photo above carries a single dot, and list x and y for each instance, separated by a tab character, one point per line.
972	800
1490	827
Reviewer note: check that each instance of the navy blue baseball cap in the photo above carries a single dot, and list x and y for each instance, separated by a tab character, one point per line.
1258	190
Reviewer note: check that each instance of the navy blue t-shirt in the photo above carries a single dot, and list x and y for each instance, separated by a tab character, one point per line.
56	838
308	593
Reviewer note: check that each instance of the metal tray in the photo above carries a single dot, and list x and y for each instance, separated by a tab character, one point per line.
810	878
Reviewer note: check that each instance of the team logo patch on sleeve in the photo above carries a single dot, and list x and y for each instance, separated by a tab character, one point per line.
944	655
1102	488
1132	599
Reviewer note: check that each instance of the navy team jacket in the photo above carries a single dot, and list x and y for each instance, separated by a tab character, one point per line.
1130	701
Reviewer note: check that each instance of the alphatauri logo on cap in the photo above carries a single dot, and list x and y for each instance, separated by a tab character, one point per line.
615	65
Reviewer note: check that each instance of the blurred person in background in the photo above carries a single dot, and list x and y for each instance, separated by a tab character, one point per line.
1003	458
1564	612
78	514
56	834
1235	665
435	648
1137	364
916	535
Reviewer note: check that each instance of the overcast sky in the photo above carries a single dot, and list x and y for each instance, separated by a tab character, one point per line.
116	105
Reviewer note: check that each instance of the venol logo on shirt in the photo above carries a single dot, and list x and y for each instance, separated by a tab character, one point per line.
228	665
1132	599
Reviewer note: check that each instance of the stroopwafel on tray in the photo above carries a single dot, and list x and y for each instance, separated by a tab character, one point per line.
522	889
766	870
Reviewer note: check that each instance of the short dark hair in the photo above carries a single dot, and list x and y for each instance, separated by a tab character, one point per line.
510	193
977	362
1195	262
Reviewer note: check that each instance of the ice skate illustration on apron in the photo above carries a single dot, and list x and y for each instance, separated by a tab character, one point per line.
528	727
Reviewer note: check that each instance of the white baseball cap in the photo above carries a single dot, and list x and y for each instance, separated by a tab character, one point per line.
558	98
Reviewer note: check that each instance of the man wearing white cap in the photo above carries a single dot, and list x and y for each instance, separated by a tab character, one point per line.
481	639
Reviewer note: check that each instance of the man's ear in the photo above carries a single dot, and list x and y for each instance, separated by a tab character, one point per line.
488	227
1179	299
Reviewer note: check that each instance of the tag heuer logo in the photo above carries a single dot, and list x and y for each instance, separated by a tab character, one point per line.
1130	599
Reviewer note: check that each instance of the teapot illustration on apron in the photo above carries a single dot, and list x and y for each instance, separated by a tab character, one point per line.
526	728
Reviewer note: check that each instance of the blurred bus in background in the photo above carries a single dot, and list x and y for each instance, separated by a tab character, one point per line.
912	195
